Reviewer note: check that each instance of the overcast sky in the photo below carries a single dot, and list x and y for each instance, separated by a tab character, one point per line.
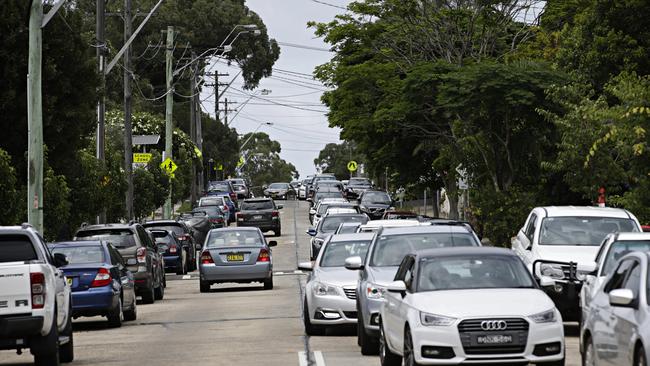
293	106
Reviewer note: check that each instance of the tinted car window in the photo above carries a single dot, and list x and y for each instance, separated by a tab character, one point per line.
211	201
582	230
210	210
219	187
16	248
376	198
178	230
320	195
82	254
337	252
257	205
619	249
389	250
119	238
279	186
233	238
329	224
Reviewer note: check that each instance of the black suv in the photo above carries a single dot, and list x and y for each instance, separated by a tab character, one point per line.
183	233
261	213
140	252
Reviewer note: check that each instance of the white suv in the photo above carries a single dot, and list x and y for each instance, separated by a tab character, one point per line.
35	300
561	243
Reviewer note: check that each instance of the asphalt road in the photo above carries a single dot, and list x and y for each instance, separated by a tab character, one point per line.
232	325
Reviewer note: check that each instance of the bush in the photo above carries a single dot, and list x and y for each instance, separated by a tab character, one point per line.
9	196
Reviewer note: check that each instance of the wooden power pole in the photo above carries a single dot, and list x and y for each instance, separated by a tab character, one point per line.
169	122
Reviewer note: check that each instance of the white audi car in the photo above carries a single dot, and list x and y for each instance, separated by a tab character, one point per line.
468	305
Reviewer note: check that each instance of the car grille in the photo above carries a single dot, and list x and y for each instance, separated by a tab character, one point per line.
469	329
350	293
350	314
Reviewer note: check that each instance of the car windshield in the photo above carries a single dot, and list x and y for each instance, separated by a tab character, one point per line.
390	249
347	229
582	230
376	198
234	238
618	249
210	210
81	254
321	195
167	239
212	201
220	187
16	248
279	186
119	238
329	224
257	205
399	216
472	272
337	252
171	228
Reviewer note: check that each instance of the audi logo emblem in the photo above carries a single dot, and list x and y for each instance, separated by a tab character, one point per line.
494	325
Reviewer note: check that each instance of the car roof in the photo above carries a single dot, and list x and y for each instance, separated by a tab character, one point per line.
585	211
455	251
631	236
261	199
392	223
236	228
352	237
80	243
347	214
107	227
162	222
424	229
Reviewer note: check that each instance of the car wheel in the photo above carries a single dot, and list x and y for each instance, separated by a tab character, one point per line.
639	356
369	345
387	357
66	351
311	329
47	353
181	269
148	297
159	291
268	283
277	232
589	356
116	315
409	354
204	286
131	314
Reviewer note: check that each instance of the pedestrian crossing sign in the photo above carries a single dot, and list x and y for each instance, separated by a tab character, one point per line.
169	166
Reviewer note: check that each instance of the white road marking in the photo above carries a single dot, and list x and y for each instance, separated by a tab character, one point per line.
302	359
187	277
318	357
279	273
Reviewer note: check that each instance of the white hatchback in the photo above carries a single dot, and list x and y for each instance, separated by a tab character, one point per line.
468	305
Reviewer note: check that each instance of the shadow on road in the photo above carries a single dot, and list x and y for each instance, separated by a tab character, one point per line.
571	330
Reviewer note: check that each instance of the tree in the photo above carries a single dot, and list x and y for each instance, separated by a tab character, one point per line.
334	159
263	164
8	193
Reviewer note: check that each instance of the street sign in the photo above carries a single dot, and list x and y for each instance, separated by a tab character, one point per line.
352	166
141	158
241	162
169	166
220	167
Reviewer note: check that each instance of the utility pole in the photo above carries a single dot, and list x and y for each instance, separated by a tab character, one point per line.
193	101
128	128
101	63
169	123
226	111
35	118
199	135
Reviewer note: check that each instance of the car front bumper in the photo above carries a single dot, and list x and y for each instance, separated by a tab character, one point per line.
370	309
332	310
431	336
236	273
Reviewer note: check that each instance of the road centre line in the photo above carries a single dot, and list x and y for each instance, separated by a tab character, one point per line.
318	357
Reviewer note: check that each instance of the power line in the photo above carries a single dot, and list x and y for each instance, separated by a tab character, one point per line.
328	4
304	47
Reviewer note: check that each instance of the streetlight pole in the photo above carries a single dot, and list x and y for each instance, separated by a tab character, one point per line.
241	148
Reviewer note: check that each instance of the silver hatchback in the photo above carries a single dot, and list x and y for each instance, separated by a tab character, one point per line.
239	255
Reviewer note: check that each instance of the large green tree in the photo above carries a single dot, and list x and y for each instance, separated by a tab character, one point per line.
263	164
334	159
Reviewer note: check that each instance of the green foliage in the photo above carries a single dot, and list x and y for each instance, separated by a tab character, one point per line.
334	159
56	195
8	193
220	144
263	163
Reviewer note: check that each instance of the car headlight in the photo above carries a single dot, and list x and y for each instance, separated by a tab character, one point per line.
548	316
433	320
375	292
323	289
552	270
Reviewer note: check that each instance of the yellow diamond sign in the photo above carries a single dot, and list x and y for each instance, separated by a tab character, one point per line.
241	162
169	166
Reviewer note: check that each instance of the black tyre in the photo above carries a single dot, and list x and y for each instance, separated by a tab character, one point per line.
47	352
181	269
639	357
116	315
148	296
369	345
409	355
66	350
204	286
589	354
387	357
311	329
268	283
131	314
159	291
277	232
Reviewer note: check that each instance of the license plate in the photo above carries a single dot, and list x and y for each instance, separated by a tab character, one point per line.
257	217
494	339
235	257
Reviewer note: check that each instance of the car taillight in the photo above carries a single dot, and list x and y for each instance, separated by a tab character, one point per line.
275	214
141	255
225	208
37	281
184	237
173	249
206	258
103	278
264	256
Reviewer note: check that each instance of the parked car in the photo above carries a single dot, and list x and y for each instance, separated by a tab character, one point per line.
319	196
216	217
356	186
617	329
457	306
141	254
183	234
400	215
303	190
241	188
200	225
36	298
562	243
239	255
262	213
321	208
614	247
100	282
280	191
380	264
223	201
312	183
373	226
375	203
347	228
327	226
222	187
174	255
330	295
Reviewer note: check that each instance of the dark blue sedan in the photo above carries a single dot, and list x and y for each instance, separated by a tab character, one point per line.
101	284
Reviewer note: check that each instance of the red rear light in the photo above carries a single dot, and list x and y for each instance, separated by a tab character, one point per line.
206	258
264	256
184	237
103	278
141	255
37	281
225	208
173	249
275	214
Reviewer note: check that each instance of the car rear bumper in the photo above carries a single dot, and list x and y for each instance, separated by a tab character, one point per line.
173	261
13	327
263	225
94	301
236	273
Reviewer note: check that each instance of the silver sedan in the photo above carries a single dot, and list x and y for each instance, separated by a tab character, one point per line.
330	295
239	255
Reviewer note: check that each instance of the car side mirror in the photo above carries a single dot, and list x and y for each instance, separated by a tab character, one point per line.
280	207
546	281
591	269
354	263
60	260
306	266
622	297
311	231
396	287
272	243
